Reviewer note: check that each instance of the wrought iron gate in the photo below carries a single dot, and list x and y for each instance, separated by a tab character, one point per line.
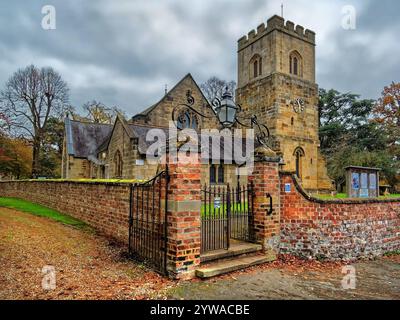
148	221
226	213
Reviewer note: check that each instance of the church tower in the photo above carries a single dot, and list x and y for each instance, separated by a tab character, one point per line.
276	82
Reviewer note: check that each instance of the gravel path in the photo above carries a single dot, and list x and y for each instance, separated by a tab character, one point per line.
86	266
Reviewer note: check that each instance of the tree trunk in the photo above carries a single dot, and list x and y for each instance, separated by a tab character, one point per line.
35	158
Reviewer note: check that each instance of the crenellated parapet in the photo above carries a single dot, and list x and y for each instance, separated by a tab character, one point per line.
276	23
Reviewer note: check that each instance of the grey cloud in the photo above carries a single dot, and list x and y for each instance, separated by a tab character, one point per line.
124	52
365	59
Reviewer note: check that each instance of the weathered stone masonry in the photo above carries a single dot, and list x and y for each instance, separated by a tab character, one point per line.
336	229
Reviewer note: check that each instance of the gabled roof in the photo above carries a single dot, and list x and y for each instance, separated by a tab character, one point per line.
84	138
145	112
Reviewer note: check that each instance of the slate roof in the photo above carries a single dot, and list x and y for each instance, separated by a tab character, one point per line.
89	139
83	139
210	151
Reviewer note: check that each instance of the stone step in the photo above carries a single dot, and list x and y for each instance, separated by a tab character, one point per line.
225	266
236	249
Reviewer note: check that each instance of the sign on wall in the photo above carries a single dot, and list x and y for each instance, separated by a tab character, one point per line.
217	203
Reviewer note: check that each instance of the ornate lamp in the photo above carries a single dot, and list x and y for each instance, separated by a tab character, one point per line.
226	109
228	114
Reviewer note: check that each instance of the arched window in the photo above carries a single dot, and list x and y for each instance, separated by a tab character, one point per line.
255	66
299	155
295	64
255	69
213	174
187	119
217	174
221	178
118	164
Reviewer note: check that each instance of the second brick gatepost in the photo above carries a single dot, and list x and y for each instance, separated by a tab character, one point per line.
184	203
265	178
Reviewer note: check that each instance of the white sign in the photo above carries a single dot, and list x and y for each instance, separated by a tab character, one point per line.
139	162
217	203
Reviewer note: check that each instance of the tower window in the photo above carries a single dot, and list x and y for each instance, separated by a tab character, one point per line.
295	64
256	66
299	155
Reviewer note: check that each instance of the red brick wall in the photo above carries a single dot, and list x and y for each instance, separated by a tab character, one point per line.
337	229
184	203
105	206
265	178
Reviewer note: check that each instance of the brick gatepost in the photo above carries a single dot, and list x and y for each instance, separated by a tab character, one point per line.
265	178
184	203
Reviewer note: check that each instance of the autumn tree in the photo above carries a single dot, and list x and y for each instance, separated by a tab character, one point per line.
15	157
31	96
386	114
215	87
349	137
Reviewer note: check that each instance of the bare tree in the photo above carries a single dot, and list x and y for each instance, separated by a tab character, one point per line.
98	112
31	96
215	87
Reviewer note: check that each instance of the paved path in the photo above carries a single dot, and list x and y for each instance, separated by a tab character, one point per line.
379	279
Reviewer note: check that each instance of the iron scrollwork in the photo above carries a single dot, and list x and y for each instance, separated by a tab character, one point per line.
262	133
183	109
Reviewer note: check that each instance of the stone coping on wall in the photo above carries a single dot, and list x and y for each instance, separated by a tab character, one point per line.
111	183
310	198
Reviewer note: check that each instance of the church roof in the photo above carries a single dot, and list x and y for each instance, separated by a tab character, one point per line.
88	139
84	138
145	112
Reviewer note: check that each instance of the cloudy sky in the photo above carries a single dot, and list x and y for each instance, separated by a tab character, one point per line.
123	52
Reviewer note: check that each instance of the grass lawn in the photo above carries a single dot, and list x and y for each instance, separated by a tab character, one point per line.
41	211
208	209
344	196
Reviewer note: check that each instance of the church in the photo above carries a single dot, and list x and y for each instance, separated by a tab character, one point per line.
276	82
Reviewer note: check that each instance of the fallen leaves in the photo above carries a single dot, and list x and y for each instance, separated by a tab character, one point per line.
87	266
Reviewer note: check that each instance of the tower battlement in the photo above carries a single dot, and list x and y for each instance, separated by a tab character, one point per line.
276	23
